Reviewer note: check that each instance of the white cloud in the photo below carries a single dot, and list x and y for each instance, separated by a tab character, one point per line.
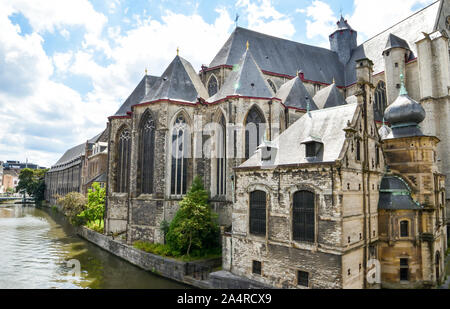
263	17
321	21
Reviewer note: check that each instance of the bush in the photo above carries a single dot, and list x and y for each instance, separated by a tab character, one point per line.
194	228
73	204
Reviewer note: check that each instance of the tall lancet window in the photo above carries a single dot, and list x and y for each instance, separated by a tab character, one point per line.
221	158
303	221
212	86
254	131
147	154
272	85
123	161
380	98
180	153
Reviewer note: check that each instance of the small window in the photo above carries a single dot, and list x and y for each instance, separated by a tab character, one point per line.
256	268
396	64
404	270
258	213
358	150
404	228
302	278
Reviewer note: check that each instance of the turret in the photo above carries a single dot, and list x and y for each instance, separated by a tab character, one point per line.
343	40
396	54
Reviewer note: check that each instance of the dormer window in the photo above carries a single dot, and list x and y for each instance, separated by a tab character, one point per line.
312	147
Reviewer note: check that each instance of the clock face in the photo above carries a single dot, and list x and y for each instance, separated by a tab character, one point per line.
447	22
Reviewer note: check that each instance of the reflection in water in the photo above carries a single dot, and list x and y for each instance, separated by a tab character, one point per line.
35	246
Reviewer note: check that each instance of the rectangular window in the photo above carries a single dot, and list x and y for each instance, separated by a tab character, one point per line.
256	268
258	213
302	278
404	229
404	270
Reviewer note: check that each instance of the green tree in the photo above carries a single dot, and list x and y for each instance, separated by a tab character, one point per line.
195	225
95	206
33	182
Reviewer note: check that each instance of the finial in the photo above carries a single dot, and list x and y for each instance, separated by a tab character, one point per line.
178	51
146	71
403	90
248	45
334	82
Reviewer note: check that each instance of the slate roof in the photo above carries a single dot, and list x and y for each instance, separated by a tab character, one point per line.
342	24
394	41
69	158
329	97
178	82
410	30
325	125
99	178
137	95
395	194
282	56
294	94
246	79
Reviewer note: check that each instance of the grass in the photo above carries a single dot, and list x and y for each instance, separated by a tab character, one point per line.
97	226
163	250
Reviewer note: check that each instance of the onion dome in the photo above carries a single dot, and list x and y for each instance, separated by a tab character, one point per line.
404	115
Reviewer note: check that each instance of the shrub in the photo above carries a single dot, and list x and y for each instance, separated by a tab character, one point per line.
194	227
73	204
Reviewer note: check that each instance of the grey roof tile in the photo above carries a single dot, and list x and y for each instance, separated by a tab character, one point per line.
329	97
394	41
246	79
282	56
326	125
294	94
137	95
178	82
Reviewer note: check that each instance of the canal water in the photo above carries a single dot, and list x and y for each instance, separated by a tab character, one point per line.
39	249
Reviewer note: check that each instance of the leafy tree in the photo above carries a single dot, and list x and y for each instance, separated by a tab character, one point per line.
95	207
195	225
33	182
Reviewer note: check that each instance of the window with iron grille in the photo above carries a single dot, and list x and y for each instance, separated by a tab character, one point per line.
180	153
256	267
146	154
258	213
404	228
123	159
404	270
221	158
254	131
303	219
302	278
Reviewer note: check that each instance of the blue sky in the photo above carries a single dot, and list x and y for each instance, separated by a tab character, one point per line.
66	65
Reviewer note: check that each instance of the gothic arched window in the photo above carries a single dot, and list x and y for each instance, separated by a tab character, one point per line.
221	158
254	131
123	161
212	86
303	221
258	213
272	85
180	153
380	99
147	154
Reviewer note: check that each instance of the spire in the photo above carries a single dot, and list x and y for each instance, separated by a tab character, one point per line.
146	72
178	51
403	90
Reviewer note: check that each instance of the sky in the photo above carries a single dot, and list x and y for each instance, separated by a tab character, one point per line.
66	65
